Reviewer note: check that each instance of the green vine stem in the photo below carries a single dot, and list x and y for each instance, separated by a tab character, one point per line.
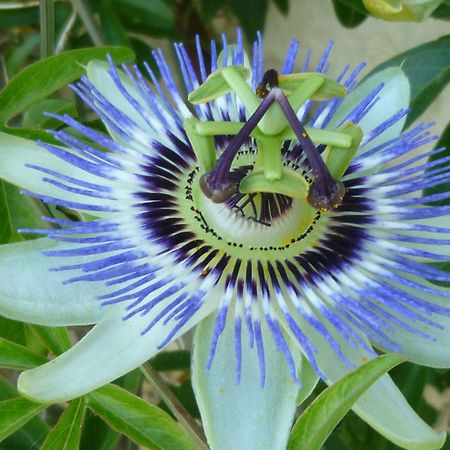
178	410
47	21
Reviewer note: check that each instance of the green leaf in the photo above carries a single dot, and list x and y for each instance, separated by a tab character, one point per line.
96	430
16	211
173	360
15	356
16	412
13	330
18	17
158	14
283	6
28	436
443	11
66	434
33	135
56	339
44	77
251	14
428	70
35	116
350	13
112	27
320	418
145	424
209	8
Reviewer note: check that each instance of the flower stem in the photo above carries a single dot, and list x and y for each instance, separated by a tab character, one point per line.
47	19
178	410
87	17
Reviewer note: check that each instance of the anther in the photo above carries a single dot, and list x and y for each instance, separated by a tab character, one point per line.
269	81
218	194
326	195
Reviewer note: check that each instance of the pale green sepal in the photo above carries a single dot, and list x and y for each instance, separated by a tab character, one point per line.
291	184
29	292
16	153
243	415
218	84
382	406
394	96
402	10
111	349
326	90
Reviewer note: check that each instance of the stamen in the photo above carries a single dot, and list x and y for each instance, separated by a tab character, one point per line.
216	184
325	193
269	81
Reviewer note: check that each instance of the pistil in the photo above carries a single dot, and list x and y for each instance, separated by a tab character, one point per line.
325	192
217	184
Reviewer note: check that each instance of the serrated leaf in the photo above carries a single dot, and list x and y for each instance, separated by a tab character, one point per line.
321	417
44	77
251	14
16	412
428	70
66	434
15	356
145	424
350	13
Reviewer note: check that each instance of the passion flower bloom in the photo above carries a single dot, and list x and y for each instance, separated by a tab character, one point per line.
280	214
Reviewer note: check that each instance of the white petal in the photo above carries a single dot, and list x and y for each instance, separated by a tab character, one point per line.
16	153
111	349
418	349
31	293
97	72
382	406
394	96
244	415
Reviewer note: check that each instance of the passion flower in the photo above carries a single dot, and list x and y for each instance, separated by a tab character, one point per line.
279	213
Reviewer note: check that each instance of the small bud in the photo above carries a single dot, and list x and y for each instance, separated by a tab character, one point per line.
402	10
